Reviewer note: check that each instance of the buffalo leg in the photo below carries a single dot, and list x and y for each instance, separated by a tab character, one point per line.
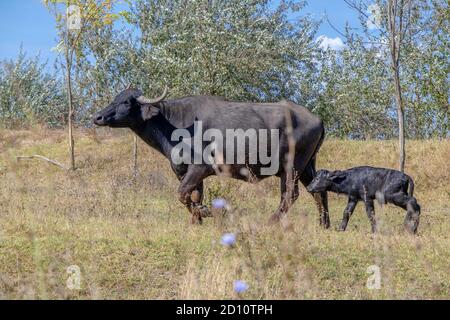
412	209
289	194
197	202
321	198
192	187
197	194
196	197
351	205
370	210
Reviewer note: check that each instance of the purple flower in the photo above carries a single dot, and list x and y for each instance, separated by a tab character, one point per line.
240	286
228	239
219	203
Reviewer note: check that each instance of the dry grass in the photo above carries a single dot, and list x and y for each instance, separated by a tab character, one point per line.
133	240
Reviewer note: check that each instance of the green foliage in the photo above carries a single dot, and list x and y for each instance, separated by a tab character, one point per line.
250	50
356	95
29	94
258	51
237	49
74	53
424	63
426	71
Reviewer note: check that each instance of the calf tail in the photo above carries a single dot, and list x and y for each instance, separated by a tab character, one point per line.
411	187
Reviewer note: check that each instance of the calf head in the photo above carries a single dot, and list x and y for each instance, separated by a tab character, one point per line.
128	109
325	180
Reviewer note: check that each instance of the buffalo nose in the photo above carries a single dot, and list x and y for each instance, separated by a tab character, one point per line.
98	119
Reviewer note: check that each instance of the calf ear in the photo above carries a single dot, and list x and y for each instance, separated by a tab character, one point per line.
148	111
337	176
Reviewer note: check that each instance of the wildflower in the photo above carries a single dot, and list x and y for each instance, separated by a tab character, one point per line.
228	239
219	203
240	286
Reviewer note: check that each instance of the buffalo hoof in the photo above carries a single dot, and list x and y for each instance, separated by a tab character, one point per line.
201	211
198	213
411	226
325	222
204	211
196	219
274	219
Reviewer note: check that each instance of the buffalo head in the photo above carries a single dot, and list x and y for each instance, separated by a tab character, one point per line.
129	108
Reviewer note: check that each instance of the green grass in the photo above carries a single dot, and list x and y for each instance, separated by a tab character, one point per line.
134	240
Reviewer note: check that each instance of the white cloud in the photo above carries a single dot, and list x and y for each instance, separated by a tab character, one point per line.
383	48
374	17
330	43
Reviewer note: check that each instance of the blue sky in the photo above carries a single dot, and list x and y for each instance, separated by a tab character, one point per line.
28	22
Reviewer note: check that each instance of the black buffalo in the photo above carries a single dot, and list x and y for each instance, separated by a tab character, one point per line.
154	120
366	184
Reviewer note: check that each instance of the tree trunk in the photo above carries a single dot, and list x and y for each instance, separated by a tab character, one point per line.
135	157
70	117
401	120
395	27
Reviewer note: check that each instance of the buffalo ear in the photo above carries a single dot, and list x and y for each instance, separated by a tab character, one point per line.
148	111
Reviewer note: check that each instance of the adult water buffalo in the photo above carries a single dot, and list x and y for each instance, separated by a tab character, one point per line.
158	121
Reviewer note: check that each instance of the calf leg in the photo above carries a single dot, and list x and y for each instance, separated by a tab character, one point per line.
370	210
351	205
289	194
321	198
412	208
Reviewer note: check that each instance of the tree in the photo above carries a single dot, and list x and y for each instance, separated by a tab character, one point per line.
398	13
29	94
426	69
393	20
244	50
108	67
354	95
72	23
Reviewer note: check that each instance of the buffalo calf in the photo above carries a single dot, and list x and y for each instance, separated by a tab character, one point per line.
366	184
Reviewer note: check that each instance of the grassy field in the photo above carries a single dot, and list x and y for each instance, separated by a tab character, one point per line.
132	238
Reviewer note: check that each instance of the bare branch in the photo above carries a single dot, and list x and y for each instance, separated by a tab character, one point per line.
335	28
357	8
37	156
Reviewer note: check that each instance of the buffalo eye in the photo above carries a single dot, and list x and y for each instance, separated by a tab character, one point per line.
133	102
